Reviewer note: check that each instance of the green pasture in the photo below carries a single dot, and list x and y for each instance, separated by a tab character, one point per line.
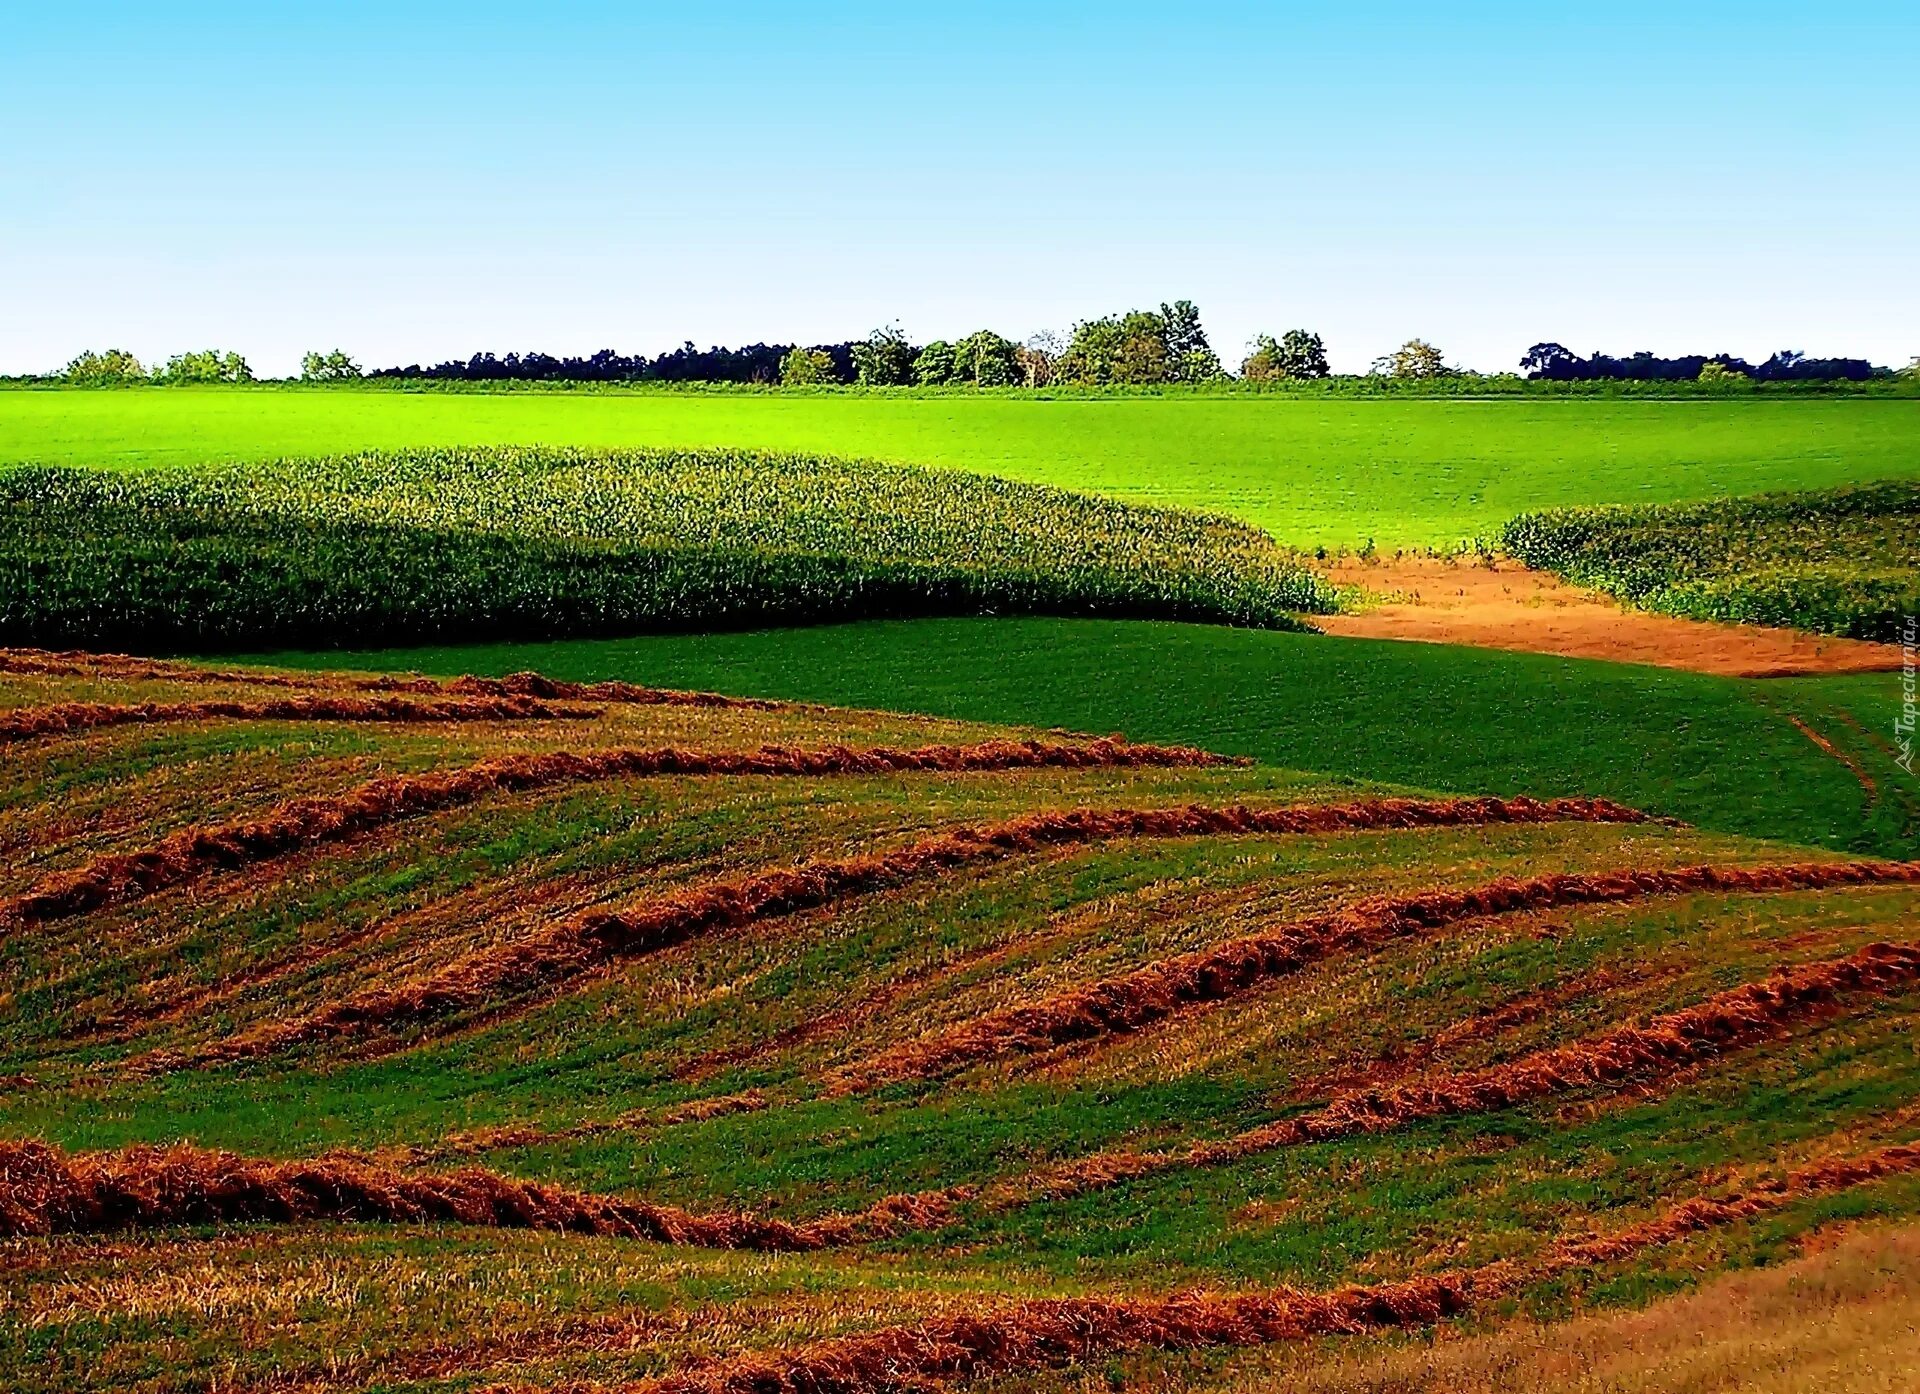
1718	752
1313	471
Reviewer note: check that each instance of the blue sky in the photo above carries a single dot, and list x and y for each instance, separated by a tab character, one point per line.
413	182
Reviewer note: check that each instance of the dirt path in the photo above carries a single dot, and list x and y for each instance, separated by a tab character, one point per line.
1510	607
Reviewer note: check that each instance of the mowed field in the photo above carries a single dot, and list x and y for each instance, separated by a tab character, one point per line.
1313	471
423	1035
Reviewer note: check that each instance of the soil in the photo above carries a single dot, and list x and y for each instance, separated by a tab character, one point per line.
1509	607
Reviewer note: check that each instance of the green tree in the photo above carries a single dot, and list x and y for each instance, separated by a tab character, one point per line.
328	367
1190	358
934	366
1295	354
205	365
1416	358
885	360
1714	373
806	367
105	369
1129	348
985	359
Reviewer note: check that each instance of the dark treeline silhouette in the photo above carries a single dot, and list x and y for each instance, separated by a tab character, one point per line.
753	363
1558	363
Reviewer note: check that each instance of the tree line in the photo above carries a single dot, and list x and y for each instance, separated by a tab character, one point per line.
1140	348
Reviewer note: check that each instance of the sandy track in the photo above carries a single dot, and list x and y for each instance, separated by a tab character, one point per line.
1511	607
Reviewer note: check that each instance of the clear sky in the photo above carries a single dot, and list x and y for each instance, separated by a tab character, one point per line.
413	181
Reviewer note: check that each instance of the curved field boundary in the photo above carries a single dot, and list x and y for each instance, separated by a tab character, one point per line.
1131	1001
27	723
44	1190
587	942
1045	1334
299	823
127	668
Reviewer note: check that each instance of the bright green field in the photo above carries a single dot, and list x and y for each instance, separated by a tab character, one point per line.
1718	752
1311	471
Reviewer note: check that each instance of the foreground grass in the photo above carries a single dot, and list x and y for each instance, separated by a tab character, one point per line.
1719	752
103	1013
1316	471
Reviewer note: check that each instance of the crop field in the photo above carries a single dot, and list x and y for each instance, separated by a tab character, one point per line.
1312	471
465	543
525	1033
1840	561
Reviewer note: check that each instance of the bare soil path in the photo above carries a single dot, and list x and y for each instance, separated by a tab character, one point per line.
1506	606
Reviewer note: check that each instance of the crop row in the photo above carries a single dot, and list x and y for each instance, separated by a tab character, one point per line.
1838	561
456	544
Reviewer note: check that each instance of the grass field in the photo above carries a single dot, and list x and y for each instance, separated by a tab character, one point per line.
1724	753
1313	472
789	1048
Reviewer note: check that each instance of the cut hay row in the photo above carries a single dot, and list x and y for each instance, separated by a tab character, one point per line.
1486	1024
127	668
1131	1001
589	941
44	1190
300	823
477	1141
27	723
1738	1018
1047	1334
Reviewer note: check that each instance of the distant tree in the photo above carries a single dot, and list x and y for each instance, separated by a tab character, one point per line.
984	359
806	367
1040	358
1190	358
934	366
1714	373
1123	349
104	369
1296	354
885	359
1414	359
1552	361
328	367
205	365
1912	370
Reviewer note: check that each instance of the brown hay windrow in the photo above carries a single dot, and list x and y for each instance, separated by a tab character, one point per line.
26	723
586	942
195	851
44	1190
537	685
1138	999
480	1140
1046	1334
127	668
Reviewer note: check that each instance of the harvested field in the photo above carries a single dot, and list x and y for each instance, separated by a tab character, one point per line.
696	1044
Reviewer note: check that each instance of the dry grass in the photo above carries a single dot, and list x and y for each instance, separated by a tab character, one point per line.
1841	1320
